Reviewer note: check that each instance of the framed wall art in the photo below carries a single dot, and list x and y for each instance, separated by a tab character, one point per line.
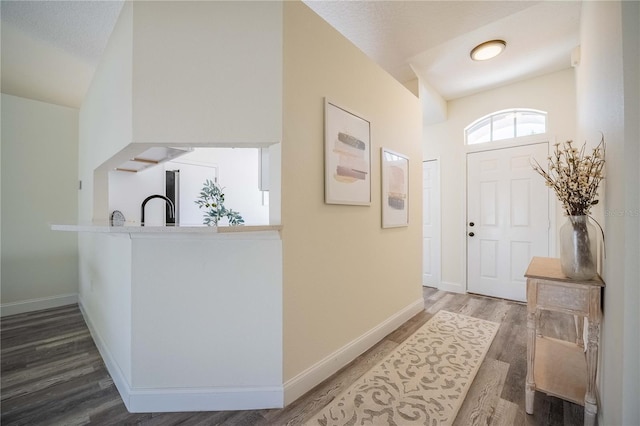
347	157
395	189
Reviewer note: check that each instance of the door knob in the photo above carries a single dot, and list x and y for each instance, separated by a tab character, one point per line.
471	234
471	223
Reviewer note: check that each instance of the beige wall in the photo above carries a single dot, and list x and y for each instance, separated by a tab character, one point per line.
39	187
554	93
343	273
608	97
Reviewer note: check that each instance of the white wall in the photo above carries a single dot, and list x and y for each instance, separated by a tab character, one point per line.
631	70
554	93
105	127
208	72
211	316
106	119
608	97
174	322
39	187
106	300
344	276
181	74
178	73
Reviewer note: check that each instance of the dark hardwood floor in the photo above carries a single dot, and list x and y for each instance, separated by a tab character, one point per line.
52	373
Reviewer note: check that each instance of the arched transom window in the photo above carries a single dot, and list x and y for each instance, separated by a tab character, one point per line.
507	124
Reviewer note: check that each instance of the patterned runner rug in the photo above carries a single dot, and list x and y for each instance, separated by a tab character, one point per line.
422	382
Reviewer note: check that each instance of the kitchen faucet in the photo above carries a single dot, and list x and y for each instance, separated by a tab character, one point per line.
150	197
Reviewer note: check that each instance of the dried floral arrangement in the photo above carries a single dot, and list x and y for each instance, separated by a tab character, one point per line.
575	176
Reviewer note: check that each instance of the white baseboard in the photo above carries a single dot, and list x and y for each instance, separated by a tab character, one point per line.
205	399
452	287
38	304
312	376
183	399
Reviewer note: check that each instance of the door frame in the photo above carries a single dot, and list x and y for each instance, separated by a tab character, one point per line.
493	146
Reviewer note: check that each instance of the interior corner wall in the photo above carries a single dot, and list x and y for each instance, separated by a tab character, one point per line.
343	274
553	93
607	98
39	187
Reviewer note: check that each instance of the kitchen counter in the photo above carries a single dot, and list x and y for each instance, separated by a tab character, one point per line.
133	229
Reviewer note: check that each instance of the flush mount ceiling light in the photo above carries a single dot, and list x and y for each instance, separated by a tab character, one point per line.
487	50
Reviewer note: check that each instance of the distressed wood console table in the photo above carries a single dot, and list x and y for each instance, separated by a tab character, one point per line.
558	367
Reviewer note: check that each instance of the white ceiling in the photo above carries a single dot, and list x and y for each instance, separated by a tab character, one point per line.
50	49
432	39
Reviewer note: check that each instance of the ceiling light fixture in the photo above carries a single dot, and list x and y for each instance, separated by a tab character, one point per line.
487	50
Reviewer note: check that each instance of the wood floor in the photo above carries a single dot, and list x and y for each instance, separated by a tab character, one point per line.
52	374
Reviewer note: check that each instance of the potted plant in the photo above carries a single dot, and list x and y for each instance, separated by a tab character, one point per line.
212	199
575	175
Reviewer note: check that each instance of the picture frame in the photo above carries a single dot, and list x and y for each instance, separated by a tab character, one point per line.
347	156
395	188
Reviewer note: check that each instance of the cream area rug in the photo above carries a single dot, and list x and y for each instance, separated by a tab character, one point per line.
422	382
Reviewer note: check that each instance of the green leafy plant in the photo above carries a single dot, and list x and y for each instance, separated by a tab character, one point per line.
212	199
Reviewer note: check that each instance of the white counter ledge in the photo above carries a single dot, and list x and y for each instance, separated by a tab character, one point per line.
132	229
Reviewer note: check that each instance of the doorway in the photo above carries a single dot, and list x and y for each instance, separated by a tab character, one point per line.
507	219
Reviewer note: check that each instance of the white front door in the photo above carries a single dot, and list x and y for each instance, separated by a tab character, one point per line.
431	223
507	219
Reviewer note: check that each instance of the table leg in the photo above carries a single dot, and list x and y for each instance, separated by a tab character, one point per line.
530	387
593	342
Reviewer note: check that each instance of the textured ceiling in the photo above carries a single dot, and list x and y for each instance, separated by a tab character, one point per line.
433	38
539	39
50	49
78	27
391	32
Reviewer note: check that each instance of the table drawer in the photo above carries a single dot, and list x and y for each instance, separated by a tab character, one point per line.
565	298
